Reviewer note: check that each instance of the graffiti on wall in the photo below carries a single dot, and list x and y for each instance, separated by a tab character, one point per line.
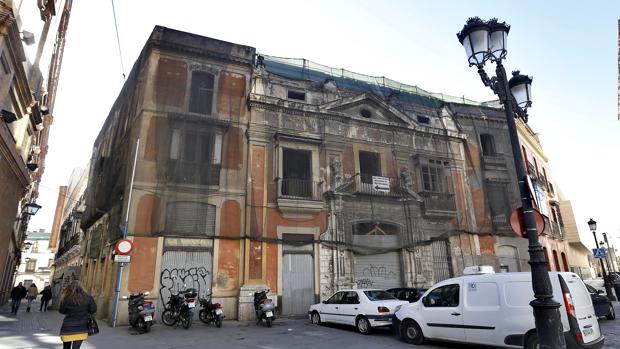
175	280
379	272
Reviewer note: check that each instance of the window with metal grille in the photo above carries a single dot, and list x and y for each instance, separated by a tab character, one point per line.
201	94
190	218
488	145
296	173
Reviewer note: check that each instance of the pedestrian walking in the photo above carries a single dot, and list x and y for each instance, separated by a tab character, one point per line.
31	295
17	294
78	307
46	295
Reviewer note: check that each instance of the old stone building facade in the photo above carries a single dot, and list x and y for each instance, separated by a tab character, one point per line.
257	172
27	96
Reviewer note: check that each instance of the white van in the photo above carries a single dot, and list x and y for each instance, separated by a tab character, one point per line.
494	309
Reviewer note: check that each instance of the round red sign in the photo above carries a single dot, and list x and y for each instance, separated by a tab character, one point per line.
124	247
518	224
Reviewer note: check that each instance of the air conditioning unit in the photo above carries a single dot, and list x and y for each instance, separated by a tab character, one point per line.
478	270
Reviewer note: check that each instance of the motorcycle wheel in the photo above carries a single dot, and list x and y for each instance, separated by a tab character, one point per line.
202	315
187	320
143	325
269	322
167	317
218	321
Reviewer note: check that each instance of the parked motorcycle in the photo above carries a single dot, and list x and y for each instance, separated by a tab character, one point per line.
264	308
140	312
210	312
179	308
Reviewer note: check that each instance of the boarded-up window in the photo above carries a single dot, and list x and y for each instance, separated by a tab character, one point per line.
190	218
201	96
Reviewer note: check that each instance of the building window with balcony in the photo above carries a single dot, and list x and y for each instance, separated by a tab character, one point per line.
370	165
488	145
434	176
201	93
195	154
31	265
436	186
296	181
35	247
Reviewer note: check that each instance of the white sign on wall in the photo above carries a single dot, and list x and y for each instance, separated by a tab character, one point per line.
381	184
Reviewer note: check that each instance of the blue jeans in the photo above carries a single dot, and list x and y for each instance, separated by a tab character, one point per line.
15	305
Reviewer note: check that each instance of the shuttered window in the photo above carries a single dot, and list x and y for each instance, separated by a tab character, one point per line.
190	218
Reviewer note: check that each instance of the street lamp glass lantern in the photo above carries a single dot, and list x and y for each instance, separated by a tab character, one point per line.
32	208
521	88
475	39
498	40
592	224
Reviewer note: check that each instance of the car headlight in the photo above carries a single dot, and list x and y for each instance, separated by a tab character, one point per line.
398	308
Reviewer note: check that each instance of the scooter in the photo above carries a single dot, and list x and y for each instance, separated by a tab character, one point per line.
179	308
264	308
210	312
140	312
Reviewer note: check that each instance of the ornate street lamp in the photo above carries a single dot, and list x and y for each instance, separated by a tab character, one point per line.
592	225
32	208
486	41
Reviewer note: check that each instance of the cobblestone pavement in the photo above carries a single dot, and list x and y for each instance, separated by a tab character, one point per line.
40	330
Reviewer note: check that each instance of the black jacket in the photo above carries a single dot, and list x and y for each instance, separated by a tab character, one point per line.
76	315
18	292
46	294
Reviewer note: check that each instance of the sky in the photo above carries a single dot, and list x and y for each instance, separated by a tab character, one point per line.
569	47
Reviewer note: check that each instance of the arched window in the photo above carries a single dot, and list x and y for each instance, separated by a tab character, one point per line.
488	145
564	261
547	259
556	261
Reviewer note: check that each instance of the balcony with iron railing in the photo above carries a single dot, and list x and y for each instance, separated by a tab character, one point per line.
364	184
299	195
438	204
68	245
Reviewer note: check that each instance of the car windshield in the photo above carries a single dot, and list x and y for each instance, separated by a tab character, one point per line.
379	295
590	289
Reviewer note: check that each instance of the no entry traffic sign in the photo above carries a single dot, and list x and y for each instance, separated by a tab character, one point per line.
123	247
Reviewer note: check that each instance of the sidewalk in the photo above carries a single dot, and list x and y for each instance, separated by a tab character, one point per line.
32	329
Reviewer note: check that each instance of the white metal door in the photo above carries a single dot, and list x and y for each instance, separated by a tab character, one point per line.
297	284
381	271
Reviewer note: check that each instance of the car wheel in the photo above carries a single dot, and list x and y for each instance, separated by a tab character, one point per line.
612	313
316	318
532	341
363	325
411	332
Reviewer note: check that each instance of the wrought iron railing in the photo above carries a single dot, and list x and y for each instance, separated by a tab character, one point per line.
364	185
556	231
437	201
75	240
531	170
299	189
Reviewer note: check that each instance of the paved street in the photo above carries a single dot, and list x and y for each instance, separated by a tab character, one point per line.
40	330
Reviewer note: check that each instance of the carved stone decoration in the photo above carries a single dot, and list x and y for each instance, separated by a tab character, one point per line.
336	167
406	179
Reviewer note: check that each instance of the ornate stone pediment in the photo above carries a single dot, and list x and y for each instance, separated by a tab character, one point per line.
368	107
